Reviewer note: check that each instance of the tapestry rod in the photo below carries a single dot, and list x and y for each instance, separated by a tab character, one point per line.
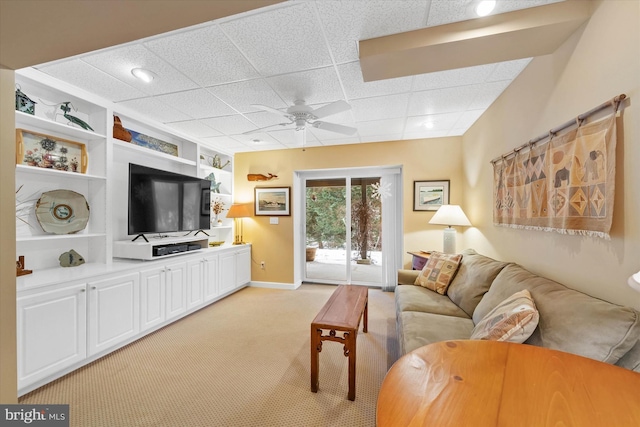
614	102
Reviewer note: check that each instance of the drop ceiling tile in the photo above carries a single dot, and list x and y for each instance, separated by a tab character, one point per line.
230	125
313	86
468	118
508	70
340	141
198	104
381	138
453	78
119	62
205	55
194	128
426	133
381	127
257	139
155	110
380	107
440	122
346	22
441	100
242	94
448	11
355	86
226	143
84	76
263	119
289	138
488	93
280	40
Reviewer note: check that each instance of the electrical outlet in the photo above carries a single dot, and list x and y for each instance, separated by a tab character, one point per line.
262	265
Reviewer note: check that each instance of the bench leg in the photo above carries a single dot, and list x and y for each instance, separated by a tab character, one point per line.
351	348
366	316
316	347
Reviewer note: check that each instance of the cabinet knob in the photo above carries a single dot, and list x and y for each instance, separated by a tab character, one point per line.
83	290
93	287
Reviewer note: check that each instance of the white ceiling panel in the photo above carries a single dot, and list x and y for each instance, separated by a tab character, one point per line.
205	55
209	76
91	79
198	104
348	21
120	61
280	41
242	95
313	86
155	110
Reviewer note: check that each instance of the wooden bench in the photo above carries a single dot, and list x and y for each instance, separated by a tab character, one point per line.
341	314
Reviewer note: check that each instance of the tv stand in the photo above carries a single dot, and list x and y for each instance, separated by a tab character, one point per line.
140	235
166	247
201	231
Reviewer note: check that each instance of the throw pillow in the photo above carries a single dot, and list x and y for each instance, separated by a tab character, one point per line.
438	272
513	320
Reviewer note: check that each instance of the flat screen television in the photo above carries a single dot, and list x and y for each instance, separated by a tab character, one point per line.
162	202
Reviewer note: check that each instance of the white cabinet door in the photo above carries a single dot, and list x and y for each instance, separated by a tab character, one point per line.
195	282
51	332
114	311
152	298
176	285
243	266
211	277
227	271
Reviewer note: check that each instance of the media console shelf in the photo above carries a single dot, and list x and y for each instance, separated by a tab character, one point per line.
153	248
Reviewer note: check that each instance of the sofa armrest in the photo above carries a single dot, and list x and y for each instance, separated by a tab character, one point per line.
407	277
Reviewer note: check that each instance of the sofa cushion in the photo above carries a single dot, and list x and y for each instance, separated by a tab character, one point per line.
417	298
473	279
569	320
416	329
631	360
513	320
439	271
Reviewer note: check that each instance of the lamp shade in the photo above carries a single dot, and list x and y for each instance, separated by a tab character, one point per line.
634	281
238	210
450	215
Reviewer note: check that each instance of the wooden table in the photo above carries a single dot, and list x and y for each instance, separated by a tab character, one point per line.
341	314
419	259
489	383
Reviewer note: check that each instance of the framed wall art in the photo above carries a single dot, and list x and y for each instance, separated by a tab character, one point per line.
430	195
271	201
50	152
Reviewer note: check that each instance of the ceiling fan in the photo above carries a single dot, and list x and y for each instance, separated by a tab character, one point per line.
302	115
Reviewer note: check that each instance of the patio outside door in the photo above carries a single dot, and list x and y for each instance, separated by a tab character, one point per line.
343	231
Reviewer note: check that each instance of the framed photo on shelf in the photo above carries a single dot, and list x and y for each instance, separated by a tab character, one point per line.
271	201
430	195
50	152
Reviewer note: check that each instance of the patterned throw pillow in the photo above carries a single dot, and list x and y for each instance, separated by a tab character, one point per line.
513	320
438	272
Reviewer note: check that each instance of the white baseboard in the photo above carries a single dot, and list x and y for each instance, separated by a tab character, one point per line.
275	285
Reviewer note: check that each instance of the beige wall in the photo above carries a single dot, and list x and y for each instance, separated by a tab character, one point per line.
8	369
598	62
430	159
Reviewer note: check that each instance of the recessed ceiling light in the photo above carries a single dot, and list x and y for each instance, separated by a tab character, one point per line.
485	7
257	141
144	75
428	125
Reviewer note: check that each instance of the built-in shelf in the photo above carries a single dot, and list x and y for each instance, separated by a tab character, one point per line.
148	152
24	120
45	237
54	173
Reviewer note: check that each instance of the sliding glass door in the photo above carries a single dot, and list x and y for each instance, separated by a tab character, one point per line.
343	231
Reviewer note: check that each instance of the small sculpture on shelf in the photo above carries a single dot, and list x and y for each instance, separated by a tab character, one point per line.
24	104
217	206
71	259
260	177
215	186
214	161
119	132
20	270
65	107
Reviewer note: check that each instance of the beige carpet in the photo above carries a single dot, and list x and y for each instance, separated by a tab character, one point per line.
243	361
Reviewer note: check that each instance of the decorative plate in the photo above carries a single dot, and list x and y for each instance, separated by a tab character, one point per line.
62	211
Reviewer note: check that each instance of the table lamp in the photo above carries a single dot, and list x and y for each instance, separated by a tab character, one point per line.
450	215
238	211
634	281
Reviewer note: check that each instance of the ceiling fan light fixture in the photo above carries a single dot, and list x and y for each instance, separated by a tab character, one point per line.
485	7
143	74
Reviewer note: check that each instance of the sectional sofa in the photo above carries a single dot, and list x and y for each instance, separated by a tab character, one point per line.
567	320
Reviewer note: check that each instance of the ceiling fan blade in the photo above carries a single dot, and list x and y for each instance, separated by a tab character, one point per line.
271	110
330	109
333	127
249	132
